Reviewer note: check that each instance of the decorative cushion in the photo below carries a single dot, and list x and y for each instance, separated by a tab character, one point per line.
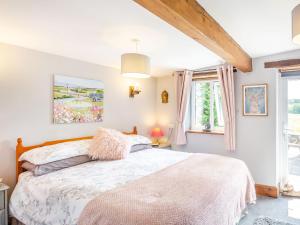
109	144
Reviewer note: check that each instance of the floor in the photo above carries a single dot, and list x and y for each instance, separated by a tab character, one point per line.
284	208
294	167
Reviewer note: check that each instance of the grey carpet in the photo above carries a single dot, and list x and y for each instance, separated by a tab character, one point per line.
283	209
269	221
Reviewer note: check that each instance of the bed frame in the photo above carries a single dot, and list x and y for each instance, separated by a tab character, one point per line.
20	149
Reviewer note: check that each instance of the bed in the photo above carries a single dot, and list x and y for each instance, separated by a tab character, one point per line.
63	197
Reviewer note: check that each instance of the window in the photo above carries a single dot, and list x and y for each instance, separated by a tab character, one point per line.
206	106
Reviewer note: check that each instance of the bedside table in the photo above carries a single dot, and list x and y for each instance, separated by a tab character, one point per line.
3	204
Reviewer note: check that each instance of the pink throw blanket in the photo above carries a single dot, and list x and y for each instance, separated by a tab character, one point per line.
201	190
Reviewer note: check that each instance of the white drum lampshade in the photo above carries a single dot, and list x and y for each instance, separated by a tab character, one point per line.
296	24
135	65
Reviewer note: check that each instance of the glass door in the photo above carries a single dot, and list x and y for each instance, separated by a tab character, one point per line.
291	133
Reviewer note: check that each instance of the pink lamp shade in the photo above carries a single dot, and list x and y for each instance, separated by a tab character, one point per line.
157	132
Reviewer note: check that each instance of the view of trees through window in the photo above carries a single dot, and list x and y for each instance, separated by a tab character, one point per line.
206	105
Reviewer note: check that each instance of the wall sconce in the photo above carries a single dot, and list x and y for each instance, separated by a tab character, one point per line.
133	90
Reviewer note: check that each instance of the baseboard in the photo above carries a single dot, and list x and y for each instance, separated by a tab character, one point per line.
266	190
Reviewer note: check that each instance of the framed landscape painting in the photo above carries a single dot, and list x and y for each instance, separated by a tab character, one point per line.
255	100
77	100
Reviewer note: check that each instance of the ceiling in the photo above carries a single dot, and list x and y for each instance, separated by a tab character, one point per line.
99	31
261	27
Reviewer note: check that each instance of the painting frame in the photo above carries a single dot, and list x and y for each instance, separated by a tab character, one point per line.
246	111
88	104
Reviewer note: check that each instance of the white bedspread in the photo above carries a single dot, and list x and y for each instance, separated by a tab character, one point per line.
58	198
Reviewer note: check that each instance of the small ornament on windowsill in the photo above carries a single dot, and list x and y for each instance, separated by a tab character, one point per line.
207	127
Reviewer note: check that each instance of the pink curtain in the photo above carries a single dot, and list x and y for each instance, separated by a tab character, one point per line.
225	74
183	84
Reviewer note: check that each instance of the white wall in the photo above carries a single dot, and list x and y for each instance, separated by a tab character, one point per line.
26	78
256	136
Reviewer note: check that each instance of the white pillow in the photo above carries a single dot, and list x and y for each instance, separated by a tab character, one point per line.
52	153
137	140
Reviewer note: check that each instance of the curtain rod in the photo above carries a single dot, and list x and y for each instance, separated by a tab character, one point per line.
207	71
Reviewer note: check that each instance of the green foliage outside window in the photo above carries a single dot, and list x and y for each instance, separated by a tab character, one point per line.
215	115
206	92
206	103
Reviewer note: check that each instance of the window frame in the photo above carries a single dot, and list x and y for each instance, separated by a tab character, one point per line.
196	128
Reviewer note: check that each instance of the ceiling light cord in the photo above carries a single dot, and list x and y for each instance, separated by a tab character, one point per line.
136	41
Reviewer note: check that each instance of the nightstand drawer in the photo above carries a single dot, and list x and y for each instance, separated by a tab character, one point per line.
2	217
2	200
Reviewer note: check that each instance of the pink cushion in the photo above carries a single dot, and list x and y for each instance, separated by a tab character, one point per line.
109	144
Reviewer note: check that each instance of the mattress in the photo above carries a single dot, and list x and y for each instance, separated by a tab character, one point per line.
58	198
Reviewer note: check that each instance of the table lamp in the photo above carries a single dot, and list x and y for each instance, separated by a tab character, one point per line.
156	134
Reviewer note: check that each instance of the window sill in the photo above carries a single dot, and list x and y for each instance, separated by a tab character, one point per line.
206	132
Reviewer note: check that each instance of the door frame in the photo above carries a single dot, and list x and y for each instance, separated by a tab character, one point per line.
282	129
281	123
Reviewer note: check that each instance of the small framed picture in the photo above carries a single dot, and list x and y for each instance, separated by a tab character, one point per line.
255	100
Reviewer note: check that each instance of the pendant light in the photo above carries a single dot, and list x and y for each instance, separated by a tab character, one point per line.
134	64
296	24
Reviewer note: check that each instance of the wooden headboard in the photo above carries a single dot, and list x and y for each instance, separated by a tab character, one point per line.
20	149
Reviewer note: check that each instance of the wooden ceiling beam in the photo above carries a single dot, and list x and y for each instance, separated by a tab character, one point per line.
191	18
283	63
